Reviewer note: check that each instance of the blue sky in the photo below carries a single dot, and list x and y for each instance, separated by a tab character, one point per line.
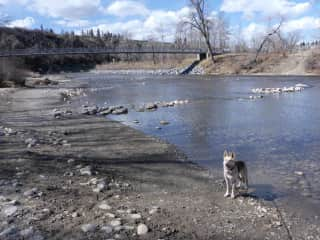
143	19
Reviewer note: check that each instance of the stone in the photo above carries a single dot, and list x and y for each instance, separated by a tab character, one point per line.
106	112
99	188
164	122
299	173
115	223
120	111
86	171
88	227
31	142
28	232
75	215
135	216
151	106
104	206
110	215
154	210
128	228
142	229
31	193
107	229
9	231
10	211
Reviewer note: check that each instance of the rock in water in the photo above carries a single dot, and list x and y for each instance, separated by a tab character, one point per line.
151	106
142	229
164	122
120	111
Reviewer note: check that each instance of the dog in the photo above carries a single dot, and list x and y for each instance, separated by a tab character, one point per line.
235	173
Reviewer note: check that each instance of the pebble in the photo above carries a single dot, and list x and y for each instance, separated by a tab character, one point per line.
154	210
31	193
104	206
86	171
75	214
27	232
135	216
99	188
115	223
110	215
10	211
88	227
107	229
142	229
9	231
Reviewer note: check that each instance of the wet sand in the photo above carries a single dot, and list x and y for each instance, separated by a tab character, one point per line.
79	162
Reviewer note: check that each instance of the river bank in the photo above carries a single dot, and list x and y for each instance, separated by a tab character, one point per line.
87	177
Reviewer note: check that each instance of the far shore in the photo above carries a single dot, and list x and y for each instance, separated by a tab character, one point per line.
300	63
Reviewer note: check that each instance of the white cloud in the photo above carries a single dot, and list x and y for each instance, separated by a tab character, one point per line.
267	8
253	30
256	30
5	2
73	23
67	9
27	22
158	24
304	23
124	8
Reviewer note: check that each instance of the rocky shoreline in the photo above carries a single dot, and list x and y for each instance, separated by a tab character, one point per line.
86	177
160	72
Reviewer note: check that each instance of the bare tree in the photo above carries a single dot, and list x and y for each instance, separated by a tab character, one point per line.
219	32
267	39
199	19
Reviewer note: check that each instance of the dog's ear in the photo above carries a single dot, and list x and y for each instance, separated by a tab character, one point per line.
233	155
225	153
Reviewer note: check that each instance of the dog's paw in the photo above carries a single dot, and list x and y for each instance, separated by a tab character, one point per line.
233	196
227	195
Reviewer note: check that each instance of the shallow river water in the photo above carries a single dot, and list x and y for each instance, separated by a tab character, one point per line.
278	136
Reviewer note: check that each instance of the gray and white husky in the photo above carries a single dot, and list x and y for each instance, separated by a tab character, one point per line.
235	173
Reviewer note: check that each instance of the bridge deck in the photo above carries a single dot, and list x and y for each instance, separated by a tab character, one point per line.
75	51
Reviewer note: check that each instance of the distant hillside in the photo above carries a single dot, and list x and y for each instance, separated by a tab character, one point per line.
17	38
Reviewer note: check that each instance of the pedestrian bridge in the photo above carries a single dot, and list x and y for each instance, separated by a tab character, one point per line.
78	51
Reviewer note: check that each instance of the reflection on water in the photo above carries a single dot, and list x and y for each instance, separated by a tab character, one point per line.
277	135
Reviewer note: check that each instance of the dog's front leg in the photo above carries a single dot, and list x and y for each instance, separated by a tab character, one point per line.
227	194
233	186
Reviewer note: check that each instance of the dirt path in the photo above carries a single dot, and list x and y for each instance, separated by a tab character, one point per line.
82	177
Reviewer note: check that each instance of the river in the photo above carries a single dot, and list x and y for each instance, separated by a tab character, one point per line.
278	136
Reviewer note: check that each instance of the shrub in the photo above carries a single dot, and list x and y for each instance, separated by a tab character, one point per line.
11	73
